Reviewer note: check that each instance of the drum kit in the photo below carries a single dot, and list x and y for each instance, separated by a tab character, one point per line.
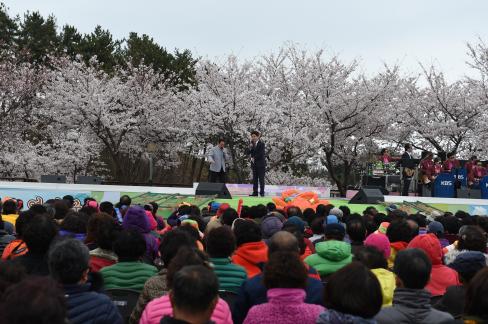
381	169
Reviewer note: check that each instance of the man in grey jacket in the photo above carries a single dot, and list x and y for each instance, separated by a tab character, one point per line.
217	158
411	302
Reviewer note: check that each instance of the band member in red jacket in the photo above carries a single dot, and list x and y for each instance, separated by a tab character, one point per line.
451	162
426	166
436	168
471	163
477	173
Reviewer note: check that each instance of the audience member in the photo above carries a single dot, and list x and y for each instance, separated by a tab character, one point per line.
399	233
221	243
441	276
194	296
136	219
437	229
375	260
251	252
332	254
68	264
471	238
157	285
9	216
18	247
130	272
285	278
74	225
356	231
101	232
476	305
162	306
33	300
411	303
253	292
352	295
467	265
38	235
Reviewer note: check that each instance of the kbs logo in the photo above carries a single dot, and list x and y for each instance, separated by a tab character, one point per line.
446	183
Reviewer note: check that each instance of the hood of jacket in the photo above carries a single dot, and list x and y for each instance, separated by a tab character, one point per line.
286	296
331	316
430	244
415	303
253	252
387	283
136	219
333	250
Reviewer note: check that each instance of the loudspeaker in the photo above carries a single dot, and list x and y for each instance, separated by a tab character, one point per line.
88	180
367	196
209	189
383	190
53	178
469	193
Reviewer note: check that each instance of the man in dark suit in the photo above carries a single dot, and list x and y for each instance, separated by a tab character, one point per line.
258	163
408	164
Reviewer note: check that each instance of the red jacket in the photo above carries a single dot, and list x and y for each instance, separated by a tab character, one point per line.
441	276
436	169
426	167
252	256
477	172
448	165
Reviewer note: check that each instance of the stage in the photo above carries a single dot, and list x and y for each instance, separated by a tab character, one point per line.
169	197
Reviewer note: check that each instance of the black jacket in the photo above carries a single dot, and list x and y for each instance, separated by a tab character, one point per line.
257	152
85	306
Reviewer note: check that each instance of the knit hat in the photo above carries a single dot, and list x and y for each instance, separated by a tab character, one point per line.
334	228
295	220
467	264
271	225
383	228
379	241
336	212
331	219
435	228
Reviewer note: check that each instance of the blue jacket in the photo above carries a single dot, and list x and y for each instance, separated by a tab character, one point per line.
253	292
89	307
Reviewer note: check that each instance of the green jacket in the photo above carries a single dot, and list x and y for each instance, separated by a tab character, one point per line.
130	275
231	276
330	256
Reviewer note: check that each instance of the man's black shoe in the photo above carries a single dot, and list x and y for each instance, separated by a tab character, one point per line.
255	194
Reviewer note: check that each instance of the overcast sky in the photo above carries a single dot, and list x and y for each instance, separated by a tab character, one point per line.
376	31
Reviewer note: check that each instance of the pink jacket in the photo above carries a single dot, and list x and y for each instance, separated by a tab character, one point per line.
161	306
285	305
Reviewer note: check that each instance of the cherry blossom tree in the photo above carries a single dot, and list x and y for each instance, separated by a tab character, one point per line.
120	113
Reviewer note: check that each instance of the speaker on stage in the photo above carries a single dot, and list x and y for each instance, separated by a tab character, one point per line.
88	180
469	193
209	188
383	190
53	178
367	196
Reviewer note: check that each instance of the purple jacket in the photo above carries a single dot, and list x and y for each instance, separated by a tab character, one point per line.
135	219
285	305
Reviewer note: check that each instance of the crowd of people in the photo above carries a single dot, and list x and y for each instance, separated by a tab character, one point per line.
264	265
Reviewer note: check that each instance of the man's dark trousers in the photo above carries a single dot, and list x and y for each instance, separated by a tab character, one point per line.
258	179
217	176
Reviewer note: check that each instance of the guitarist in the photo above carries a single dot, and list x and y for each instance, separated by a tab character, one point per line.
408	164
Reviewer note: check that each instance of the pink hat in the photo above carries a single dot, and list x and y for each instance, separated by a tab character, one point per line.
379	241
